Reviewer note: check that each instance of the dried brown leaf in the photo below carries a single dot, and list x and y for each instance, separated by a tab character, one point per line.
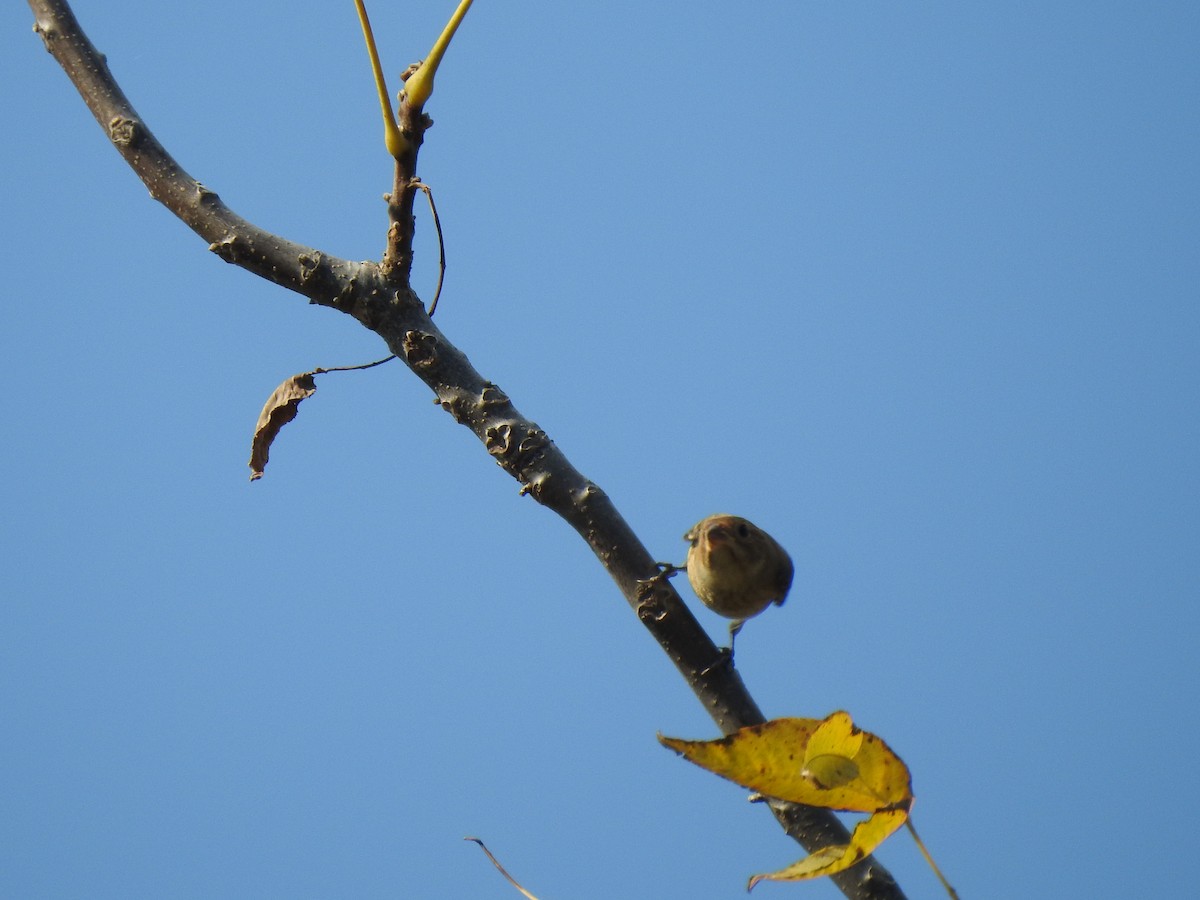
281	407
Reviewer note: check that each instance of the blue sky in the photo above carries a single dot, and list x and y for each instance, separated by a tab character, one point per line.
913	286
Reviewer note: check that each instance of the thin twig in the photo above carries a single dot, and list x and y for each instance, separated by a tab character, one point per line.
437	223
503	871
370	365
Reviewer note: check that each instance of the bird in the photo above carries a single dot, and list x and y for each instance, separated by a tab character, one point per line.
736	569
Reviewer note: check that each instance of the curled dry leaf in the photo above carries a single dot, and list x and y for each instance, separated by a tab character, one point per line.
280	408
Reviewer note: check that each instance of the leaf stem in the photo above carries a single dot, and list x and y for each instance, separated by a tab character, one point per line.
929	859
370	365
392	138
419	86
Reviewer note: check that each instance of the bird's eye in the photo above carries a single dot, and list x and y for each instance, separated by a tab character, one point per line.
743	530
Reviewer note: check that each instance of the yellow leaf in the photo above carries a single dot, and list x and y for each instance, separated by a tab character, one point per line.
817	762
867	835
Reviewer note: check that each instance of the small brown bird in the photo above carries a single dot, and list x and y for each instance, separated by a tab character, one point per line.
736	568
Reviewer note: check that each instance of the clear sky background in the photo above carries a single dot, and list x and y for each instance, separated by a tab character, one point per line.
914	286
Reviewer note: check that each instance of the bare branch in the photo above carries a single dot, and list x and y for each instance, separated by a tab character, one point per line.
380	298
318	276
398	258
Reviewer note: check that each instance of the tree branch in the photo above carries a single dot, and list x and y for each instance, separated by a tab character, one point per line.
381	299
398	258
